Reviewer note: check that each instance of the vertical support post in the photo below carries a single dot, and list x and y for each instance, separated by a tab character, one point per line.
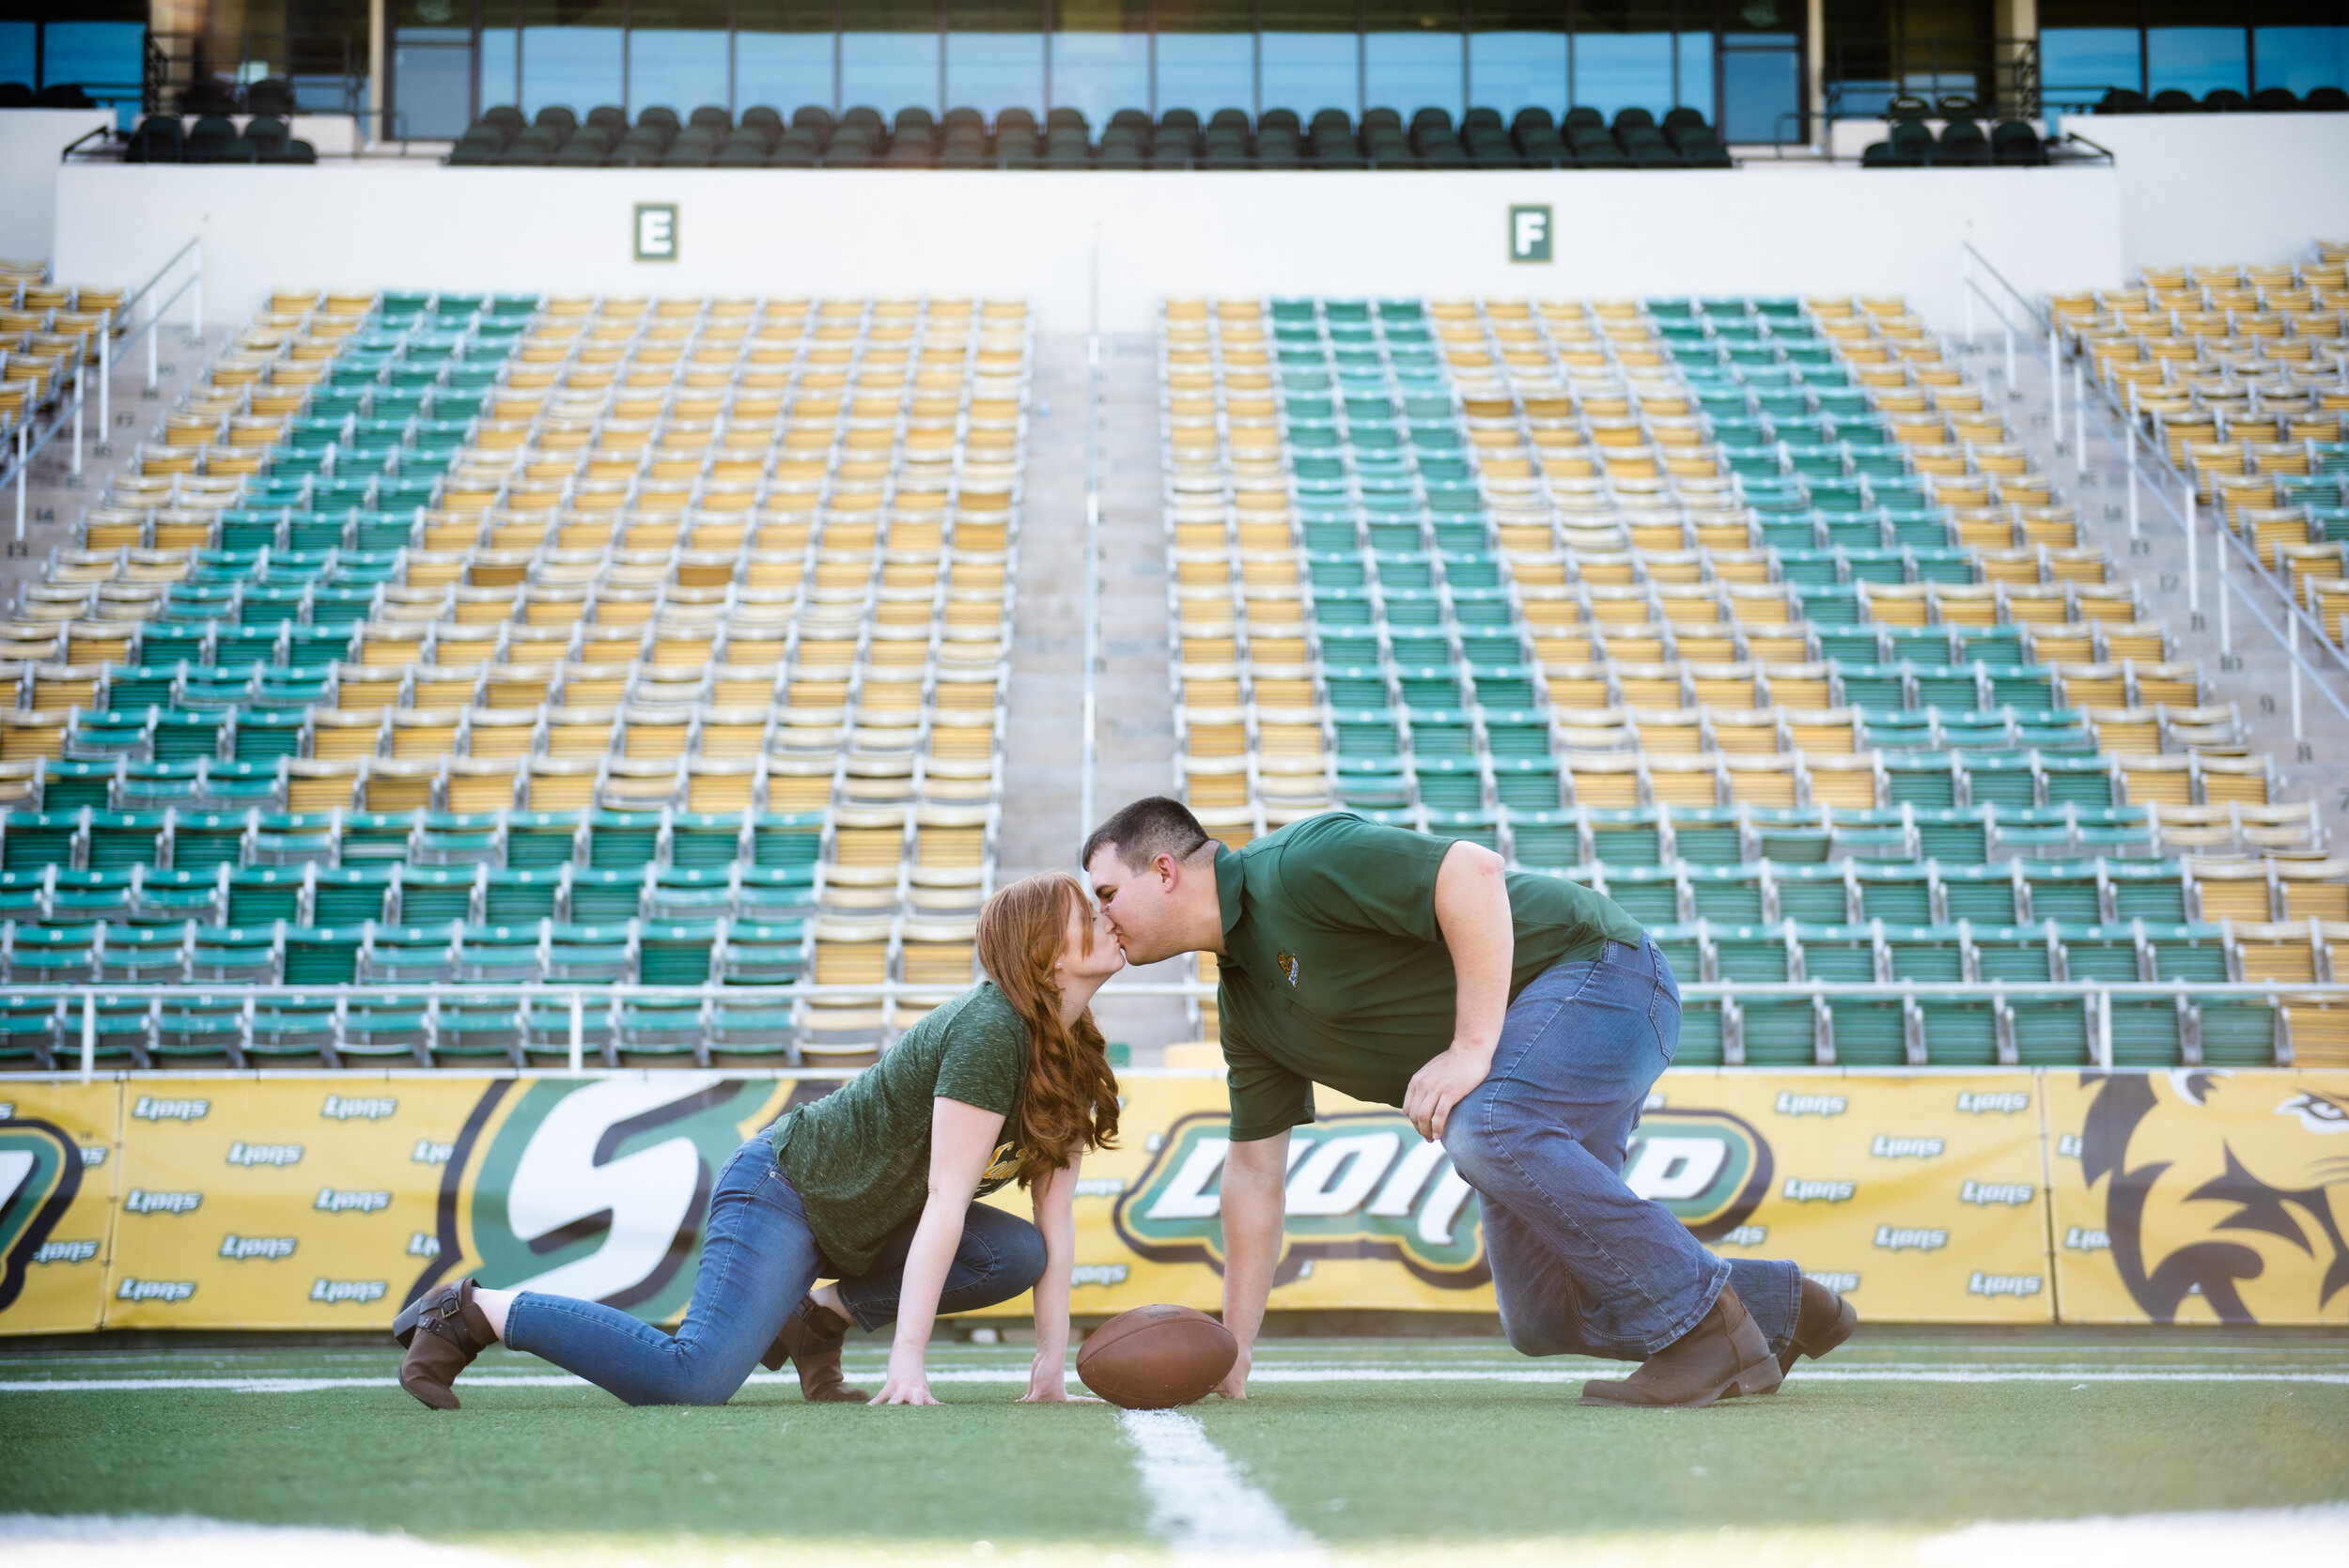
89	1035
23	461
2128	463
2011	389
376	35
2291	645
2104	1028
578	1032
2055	383
81	392
2193	562
2080	419
154	329
105	376
2218	562
196	291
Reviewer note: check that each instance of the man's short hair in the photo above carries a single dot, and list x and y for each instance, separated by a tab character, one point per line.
1145	830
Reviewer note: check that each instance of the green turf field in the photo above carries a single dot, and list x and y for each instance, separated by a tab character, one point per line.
1381	1449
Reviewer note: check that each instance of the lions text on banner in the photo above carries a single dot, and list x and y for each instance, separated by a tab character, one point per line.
58	1161
326	1201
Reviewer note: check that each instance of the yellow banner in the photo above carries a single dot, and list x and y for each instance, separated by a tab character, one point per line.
312	1203
59	1156
2200	1195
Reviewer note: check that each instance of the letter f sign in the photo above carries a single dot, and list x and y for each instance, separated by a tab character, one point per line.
1529	234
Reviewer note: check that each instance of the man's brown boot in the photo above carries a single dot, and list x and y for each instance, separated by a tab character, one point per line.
441	1331
1722	1356
1824	1321
811	1340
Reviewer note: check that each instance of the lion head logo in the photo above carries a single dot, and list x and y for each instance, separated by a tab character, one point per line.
2230	1187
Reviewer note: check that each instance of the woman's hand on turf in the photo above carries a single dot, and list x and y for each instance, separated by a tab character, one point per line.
1235	1384
908	1383
1047	1385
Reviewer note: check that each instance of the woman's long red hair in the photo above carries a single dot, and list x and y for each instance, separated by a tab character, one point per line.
1069	1104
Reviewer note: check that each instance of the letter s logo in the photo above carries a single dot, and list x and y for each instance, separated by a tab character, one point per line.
597	1189
647	1204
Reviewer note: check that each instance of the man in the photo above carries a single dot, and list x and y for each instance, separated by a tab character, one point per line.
1520	1020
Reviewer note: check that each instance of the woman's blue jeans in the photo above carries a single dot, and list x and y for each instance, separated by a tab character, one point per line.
1580	1263
758	1259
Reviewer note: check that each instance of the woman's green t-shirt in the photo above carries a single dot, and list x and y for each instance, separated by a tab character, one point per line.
860	1157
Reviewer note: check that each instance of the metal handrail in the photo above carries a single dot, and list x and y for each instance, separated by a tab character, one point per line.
2098	995
2161	483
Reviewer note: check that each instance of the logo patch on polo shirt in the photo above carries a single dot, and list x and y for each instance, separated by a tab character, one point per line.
1288	966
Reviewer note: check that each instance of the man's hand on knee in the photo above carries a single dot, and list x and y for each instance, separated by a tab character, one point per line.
1444	1082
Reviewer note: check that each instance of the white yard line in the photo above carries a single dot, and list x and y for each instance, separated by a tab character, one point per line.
294	1385
1200	1502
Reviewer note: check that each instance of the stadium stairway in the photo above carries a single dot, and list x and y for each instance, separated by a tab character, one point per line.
1045	730
2252	675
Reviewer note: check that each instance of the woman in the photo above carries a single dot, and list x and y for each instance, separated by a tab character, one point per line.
871	1185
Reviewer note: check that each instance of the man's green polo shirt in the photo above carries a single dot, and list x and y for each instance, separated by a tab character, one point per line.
1334	971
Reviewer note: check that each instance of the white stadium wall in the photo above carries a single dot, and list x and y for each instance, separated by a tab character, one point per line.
2215	188
396	226
2193	188
31	144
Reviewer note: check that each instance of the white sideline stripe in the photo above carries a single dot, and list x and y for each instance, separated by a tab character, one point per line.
186	1541
1200	1503
1272	1375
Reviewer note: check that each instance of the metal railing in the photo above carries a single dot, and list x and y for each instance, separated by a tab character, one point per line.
2236	565
86	1005
25	444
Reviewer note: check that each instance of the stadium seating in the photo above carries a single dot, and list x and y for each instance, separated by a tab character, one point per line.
48	330
1751	613
2241	376
2223	100
1961	143
712	137
491	638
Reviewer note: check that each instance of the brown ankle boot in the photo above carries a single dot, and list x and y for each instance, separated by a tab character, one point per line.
1824	1321
441	1331
1722	1356
811	1339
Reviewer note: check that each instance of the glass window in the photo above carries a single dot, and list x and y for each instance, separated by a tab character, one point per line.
1413	57
2196	59
16	51
889	59
1312	57
2301	58
432	82
572	56
1205	56
501	68
783	54
1761	87
1509	72
2078	64
95	53
995	55
677	56
1517	56
1622	55
1622	70
1696	73
1100	57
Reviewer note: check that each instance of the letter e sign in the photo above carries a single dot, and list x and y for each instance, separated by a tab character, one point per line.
1529	234
656	231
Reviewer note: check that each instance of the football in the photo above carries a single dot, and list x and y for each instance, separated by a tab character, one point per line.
1156	1356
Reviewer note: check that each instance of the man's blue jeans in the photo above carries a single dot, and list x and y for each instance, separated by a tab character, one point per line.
758	1259
1581	1264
